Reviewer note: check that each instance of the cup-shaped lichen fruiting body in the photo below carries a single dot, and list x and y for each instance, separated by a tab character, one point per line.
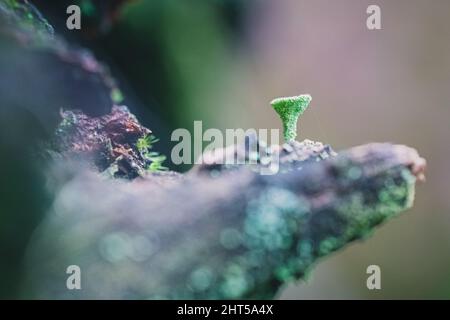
289	109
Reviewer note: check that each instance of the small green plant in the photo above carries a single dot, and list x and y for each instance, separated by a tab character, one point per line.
154	159
289	109
145	143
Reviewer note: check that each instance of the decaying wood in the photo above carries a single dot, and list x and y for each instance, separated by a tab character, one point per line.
230	234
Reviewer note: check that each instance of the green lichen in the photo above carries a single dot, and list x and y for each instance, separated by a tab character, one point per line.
273	232
279	223
289	109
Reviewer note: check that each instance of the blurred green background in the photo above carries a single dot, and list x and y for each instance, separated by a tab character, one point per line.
222	62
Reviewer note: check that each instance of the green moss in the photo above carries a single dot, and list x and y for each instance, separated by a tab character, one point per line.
154	159
289	109
145	143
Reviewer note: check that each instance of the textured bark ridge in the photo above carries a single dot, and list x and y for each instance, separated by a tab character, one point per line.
57	74
116	143
218	231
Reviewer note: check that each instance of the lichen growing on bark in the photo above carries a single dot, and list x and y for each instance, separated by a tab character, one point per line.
235	235
231	234
290	109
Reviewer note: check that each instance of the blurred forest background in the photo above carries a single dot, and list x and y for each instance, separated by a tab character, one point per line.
222	61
